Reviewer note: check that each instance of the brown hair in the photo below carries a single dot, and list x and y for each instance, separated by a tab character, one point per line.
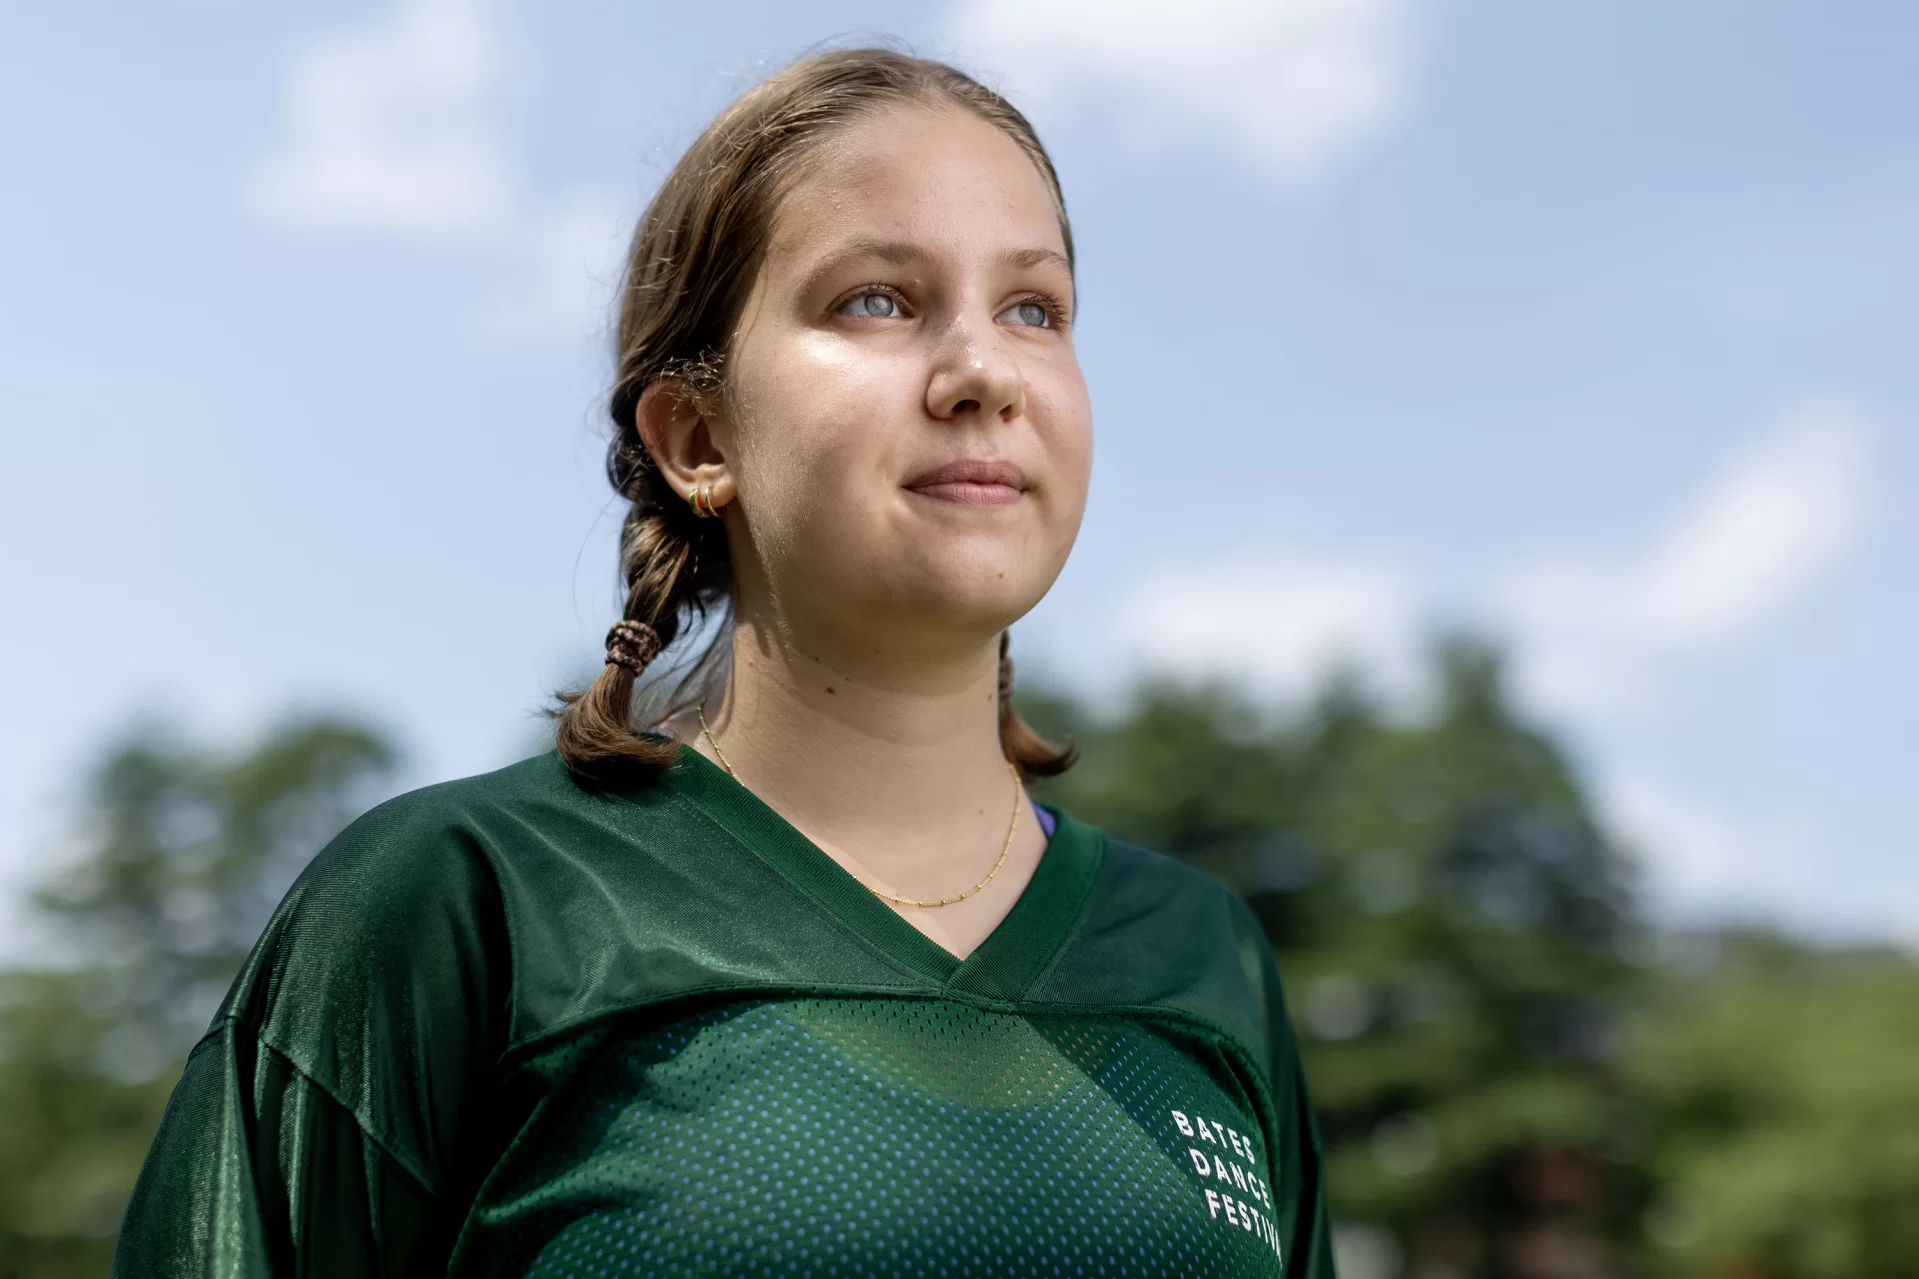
694	258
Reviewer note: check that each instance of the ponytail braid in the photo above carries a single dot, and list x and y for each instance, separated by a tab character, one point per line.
676	571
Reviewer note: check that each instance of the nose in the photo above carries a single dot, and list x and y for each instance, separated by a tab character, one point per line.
974	373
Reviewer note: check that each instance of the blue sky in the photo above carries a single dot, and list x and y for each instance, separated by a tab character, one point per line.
1589	325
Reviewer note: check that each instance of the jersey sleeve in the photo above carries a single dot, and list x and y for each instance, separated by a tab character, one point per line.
257	1171
335	1118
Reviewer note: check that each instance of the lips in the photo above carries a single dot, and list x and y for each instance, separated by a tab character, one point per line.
972	482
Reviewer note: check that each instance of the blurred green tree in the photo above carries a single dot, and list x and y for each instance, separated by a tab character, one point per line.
181	853
1783	1085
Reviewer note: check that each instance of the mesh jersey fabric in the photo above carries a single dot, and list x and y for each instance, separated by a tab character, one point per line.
508	1026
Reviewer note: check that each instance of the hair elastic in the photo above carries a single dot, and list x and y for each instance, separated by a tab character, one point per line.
632	644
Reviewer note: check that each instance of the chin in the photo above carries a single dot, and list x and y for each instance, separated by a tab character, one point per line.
972	594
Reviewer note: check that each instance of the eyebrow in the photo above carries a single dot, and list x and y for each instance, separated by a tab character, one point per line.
1026	259
904	253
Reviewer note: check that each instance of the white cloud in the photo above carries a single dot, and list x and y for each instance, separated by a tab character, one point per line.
1296	85
1278	624
391	131
1589	635
388	129
1705	862
1764	529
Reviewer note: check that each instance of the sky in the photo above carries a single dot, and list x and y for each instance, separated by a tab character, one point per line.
1587	326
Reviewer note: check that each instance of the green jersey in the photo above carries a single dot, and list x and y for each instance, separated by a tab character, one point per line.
506	1026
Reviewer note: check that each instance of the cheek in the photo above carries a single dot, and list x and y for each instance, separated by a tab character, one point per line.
814	437
1063	415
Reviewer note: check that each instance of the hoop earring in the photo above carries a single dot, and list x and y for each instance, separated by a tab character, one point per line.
701	500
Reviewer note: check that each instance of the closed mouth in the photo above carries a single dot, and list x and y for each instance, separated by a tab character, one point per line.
972	482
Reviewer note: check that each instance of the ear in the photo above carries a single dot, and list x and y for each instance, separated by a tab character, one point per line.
679	435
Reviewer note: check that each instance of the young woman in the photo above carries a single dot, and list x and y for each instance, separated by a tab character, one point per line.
800	983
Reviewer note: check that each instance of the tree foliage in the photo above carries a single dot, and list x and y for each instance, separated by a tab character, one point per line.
1782	1083
181	854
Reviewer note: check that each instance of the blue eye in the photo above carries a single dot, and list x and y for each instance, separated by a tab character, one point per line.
1029	313
877	306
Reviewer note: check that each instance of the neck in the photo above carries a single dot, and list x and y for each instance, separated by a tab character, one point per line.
899	763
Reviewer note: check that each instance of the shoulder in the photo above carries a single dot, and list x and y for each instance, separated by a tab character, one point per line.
403	908
384	977
1163	896
1157	933
419	849
441	846
1137	874
478	809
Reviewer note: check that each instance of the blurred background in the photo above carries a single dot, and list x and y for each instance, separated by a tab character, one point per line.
1500	568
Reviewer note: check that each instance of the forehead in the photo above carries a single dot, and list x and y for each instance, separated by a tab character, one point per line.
943	179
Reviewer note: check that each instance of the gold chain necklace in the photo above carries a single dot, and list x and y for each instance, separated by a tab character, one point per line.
1019	793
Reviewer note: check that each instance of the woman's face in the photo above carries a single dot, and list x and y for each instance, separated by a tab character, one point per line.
906	422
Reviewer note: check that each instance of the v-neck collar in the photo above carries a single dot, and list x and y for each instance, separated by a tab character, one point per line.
1002	966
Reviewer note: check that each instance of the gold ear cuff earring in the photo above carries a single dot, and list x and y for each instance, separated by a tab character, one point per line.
701	500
